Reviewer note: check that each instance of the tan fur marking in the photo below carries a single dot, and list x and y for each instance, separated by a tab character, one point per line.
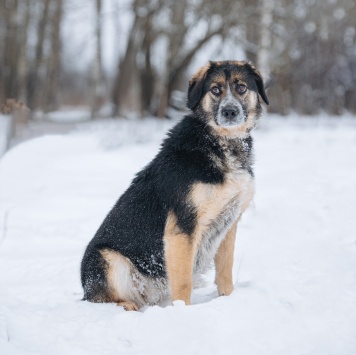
251	96
218	82
206	103
113	259
126	284
240	131
233	62
224	260
237	77
116	262
220	78
128	306
211	199
179	256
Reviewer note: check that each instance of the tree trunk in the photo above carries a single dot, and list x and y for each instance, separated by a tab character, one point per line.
126	91
147	74
252	31
23	55
54	64
263	59
34	93
96	79
175	38
11	50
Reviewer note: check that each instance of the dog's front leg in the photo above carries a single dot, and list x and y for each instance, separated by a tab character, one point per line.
179	255
224	260
179	258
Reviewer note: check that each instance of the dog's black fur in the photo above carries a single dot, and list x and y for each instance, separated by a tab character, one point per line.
135	225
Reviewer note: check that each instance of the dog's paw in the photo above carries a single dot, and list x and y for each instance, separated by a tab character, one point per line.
128	306
225	290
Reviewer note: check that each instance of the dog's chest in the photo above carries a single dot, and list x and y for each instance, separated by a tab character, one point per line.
218	207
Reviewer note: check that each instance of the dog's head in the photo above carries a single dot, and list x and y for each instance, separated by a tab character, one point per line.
226	95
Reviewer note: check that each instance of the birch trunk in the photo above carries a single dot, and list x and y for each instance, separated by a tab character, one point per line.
54	60
34	97
97	65
263	58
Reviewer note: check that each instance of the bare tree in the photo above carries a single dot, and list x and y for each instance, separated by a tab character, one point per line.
147	74
97	68
54	58
131	94
308	46
34	97
263	58
175	35
125	98
11	49
23	61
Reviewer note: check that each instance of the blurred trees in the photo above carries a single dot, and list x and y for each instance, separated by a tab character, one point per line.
169	24
97	68
313	56
30	69
308	45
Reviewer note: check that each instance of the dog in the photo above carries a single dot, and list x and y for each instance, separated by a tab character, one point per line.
181	211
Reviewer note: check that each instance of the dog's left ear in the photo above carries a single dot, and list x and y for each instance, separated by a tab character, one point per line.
259	82
196	85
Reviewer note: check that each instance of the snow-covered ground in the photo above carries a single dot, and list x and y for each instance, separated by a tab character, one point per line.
295	266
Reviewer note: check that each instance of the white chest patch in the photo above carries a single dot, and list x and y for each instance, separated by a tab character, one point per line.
219	206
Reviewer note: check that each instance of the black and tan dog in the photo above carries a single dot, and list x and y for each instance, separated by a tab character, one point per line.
180	212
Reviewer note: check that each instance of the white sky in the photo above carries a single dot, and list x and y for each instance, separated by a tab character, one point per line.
78	31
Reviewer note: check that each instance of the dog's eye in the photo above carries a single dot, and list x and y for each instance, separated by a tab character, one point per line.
215	90
241	89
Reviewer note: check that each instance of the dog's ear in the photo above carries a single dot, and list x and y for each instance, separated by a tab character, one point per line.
196	85
259	82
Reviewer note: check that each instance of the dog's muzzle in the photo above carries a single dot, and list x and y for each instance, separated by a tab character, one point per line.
230	115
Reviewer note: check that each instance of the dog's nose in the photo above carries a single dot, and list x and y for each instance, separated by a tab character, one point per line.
230	112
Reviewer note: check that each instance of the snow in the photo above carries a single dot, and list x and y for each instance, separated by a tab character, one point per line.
70	115
295	266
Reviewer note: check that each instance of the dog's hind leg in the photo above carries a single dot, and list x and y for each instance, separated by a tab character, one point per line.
107	277
93	277
120	280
